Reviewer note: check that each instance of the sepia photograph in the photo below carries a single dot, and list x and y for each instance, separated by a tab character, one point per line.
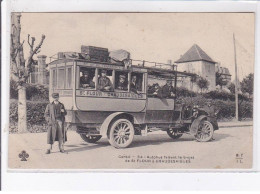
131	90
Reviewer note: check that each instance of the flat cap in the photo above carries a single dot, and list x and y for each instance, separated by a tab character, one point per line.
55	95
103	70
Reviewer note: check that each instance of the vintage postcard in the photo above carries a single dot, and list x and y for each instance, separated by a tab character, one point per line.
131	91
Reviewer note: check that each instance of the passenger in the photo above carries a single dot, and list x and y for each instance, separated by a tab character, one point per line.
85	80
122	84
157	90
104	83
168	90
133	85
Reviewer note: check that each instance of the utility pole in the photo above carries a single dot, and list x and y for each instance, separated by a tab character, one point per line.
236	78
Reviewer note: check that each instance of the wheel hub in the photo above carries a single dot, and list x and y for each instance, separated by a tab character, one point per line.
121	133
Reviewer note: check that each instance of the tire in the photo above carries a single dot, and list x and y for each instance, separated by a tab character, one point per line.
205	131
121	133
173	134
90	138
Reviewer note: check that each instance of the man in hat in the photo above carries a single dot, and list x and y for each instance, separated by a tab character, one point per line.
168	90
133	85
55	117
85	80
157	90
104	83
122	84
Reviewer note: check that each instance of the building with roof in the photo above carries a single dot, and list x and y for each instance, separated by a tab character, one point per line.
195	60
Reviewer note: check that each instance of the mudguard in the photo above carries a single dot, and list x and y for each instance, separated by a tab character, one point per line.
107	121
195	124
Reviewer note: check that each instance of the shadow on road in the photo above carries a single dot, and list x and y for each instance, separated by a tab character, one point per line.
142	142
218	137
86	147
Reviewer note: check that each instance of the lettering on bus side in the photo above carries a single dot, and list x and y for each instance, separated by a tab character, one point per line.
110	94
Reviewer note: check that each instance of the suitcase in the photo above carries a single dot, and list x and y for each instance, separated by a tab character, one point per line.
96	53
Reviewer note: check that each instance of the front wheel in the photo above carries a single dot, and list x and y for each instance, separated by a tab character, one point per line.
90	138
121	133
173	134
205	131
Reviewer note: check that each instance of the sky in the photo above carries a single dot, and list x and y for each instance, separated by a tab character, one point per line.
148	36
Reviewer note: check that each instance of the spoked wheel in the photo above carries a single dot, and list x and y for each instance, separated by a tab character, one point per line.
90	138
121	133
205	131
173	134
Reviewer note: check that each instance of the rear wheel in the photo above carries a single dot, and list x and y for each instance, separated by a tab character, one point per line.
90	138
121	133
173	133
205	131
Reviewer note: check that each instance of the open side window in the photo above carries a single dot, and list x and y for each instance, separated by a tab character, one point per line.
87	78
121	80
106	80
137	82
161	87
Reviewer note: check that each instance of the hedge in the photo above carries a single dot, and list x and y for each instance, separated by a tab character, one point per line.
226	108
35	116
33	92
36	121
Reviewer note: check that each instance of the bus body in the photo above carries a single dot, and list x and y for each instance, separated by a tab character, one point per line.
94	111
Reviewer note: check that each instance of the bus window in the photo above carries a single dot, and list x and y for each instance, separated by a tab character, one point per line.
136	82
104	80
54	78
87	78
121	80
69	77
160	87
61	78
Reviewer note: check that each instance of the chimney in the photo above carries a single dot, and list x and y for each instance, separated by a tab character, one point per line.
42	69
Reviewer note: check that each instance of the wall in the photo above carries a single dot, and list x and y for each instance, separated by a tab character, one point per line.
201	68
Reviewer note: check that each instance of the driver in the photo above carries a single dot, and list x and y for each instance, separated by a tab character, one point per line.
168	90
85	80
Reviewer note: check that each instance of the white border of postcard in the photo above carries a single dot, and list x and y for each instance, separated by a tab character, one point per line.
126	179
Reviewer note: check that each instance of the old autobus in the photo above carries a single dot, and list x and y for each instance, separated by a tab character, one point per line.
120	100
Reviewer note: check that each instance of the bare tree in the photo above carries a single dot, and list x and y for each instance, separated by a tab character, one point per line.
21	68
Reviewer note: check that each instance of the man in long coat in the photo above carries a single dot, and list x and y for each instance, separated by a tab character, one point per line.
55	117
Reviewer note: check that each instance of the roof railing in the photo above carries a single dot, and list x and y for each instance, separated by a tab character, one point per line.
134	62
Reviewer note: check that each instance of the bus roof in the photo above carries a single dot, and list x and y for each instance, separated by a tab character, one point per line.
158	69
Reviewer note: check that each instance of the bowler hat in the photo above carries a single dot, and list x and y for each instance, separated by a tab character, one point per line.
55	95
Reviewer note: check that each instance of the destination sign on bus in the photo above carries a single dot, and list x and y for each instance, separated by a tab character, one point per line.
110	94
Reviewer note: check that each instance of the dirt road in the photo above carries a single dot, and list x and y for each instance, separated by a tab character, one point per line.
232	148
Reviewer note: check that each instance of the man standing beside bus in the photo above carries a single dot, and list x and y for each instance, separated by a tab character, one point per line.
55	117
104	83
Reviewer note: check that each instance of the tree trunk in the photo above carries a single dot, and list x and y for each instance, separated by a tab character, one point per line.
22	113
